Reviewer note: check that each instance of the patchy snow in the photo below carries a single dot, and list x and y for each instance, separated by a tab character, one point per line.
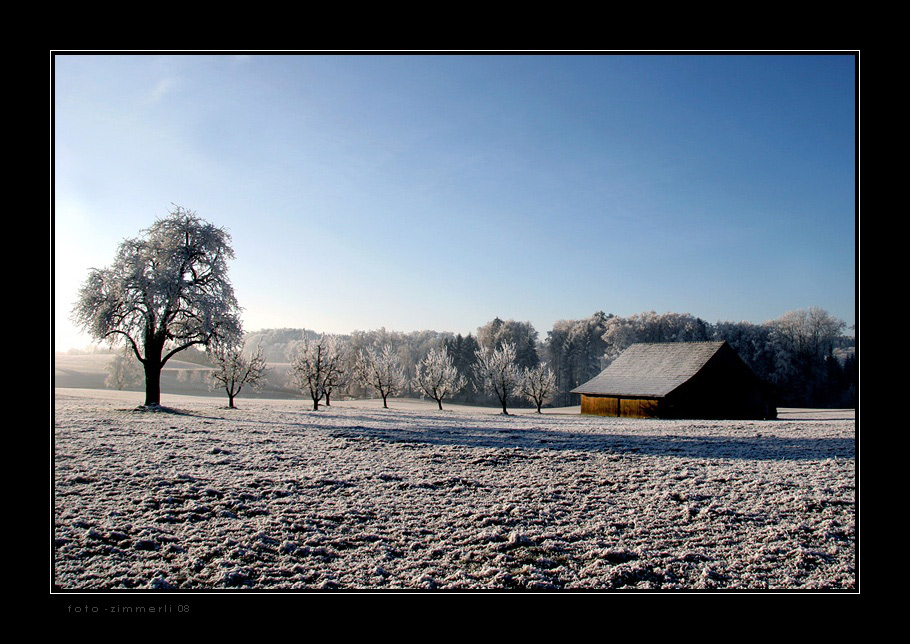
273	495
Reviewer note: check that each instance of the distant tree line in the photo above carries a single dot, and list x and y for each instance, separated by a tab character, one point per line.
804	355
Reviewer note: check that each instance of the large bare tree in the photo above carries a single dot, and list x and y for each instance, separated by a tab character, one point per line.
166	291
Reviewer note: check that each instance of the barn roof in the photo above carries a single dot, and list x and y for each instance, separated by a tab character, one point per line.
651	369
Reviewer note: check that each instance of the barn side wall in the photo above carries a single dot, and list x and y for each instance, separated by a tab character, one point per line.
620	406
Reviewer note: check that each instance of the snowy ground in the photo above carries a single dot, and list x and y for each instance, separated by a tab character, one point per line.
273	495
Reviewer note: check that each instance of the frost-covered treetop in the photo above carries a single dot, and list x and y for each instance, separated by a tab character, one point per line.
170	282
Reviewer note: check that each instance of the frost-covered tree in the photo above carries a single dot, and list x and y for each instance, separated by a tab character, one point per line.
437	377
166	291
621	333
803	342
522	335
497	373
233	371
410	347
538	384
123	371
752	342
312	367
338	373
575	351
810	333
381	370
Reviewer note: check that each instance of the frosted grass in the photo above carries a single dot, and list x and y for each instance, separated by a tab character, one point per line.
275	496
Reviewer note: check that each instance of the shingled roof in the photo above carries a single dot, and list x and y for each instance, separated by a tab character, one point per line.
651	369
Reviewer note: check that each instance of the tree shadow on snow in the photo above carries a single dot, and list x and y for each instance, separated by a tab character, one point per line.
679	445
511	432
160	409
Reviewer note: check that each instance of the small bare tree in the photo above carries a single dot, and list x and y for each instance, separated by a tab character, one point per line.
337	374
312	367
538	384
232	370
381	370
437	377
497	373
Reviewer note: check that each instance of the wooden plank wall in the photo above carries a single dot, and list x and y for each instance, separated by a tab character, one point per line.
625	407
638	408
599	405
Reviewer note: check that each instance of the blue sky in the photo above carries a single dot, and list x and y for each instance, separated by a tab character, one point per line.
440	191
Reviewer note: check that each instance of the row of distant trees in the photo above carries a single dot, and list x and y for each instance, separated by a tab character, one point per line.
803	354
323	366
327	364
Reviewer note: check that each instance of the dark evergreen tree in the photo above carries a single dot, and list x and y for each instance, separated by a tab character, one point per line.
463	350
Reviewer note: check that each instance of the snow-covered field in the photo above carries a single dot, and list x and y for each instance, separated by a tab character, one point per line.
276	496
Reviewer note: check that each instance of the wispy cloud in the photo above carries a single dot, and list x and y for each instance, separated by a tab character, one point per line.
161	89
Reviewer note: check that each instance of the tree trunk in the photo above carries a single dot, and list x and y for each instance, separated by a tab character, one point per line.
231	401
152	383
327	402
315	404
439	402
384	403
153	365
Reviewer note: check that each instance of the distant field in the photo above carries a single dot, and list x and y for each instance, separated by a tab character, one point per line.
275	496
88	371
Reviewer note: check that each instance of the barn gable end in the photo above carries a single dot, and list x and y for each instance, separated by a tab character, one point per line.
677	380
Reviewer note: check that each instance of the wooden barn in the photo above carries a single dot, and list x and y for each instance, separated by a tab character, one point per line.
677	380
